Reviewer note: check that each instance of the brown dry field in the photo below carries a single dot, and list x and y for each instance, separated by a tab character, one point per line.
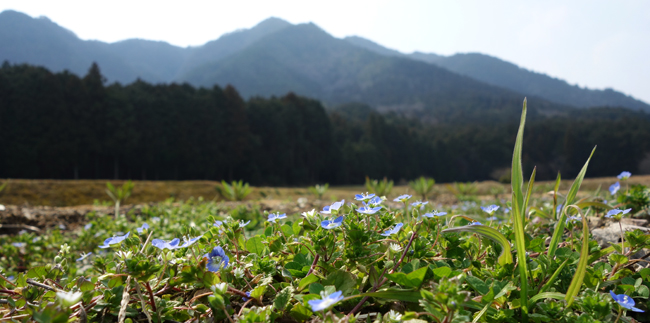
59	193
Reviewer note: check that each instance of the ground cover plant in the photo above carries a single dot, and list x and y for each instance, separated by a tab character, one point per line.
364	258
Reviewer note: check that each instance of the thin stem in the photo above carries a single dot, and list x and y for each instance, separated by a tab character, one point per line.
313	264
620	311
622	237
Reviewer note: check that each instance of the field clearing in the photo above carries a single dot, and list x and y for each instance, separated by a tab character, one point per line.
65	193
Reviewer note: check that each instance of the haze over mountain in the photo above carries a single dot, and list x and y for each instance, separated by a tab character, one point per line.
276	57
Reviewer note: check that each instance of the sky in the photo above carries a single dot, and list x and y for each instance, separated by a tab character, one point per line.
596	44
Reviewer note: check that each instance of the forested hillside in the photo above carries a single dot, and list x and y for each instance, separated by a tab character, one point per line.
57	125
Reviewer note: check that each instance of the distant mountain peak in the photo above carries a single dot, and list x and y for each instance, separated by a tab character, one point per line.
272	22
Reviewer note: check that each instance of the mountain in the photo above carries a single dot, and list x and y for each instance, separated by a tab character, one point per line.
276	57
306	60
498	72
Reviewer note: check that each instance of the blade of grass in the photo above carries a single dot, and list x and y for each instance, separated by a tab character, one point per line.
518	216
573	191
579	276
528	192
555	189
539	296
506	254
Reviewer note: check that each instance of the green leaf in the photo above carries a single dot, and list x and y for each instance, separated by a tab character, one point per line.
300	312
258	291
413	279
559	226
551	280
479	285
442	272
579	275
307	281
342	280
283	298
398	294
316	288
558	296
255	245
506	254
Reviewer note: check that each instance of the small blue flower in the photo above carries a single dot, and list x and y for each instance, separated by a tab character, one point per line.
114	240
143	227
363	197
625	301
248	295
490	209
162	244
331	224
277	216
558	209
155	219
84	256
218	223
18	244
617	212
419	203
188	242
393	230
624	175
243	224
434	213
334	207
476	223
506	210
573	218
215	258
367	209
402	198
326	301
614	188
492	218
88	226
375	201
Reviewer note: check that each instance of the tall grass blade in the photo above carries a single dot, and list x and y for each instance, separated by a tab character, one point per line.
506	253
579	276
518	213
573	191
528	192
555	189
551	280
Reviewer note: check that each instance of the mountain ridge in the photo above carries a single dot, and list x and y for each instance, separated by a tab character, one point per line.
40	41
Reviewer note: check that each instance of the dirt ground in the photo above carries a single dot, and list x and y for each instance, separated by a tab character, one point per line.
39	204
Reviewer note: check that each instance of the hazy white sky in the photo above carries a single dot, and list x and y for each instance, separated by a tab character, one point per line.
592	43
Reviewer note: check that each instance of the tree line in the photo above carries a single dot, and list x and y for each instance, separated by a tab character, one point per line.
61	126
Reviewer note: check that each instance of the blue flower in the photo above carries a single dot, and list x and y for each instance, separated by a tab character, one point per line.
326	301
277	216
188	242
84	256
248	294
243	224
476	223
490	209
363	197
162	244
614	188
367	209
434	213
215	258
573	218
334	207
393	230
144	226
492	218
624	175
331	224
155	219
558	209
88	226
402	198
625	301
506	210
617	212
114	240
19	244
419	203
375	201
218	223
